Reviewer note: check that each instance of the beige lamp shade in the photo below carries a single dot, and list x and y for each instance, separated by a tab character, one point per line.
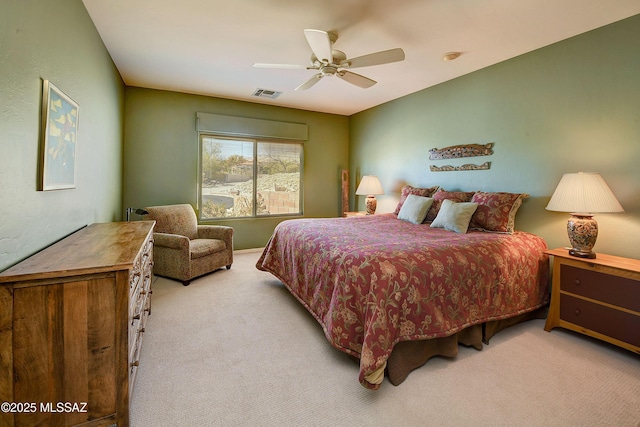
583	194
370	186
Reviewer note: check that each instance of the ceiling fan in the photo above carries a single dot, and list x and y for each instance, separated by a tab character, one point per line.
331	62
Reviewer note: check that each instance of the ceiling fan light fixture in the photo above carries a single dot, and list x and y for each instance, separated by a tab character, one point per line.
331	62
328	70
450	56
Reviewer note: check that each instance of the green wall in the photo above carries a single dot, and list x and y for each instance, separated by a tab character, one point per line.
161	154
569	107
56	41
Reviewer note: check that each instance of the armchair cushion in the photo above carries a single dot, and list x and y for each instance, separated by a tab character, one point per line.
203	247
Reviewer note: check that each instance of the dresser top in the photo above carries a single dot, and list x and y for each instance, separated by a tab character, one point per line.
96	248
629	264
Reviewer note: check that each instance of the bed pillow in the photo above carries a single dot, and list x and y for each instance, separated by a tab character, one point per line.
440	195
454	216
407	190
496	211
414	209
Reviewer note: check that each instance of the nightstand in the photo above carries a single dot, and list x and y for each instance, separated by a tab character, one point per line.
597	297
350	214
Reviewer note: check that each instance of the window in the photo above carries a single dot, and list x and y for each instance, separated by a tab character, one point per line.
243	178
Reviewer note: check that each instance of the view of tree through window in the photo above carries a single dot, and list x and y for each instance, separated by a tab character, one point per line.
246	178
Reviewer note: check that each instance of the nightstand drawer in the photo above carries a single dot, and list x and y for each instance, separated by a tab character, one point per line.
352	214
619	291
599	318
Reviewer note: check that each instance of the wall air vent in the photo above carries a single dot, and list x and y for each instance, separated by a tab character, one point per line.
265	93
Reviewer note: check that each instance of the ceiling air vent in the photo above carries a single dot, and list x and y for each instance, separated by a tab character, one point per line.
265	93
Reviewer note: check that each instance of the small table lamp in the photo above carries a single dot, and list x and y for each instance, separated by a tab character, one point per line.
370	186
583	194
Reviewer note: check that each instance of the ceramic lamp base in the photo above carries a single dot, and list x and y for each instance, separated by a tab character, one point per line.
583	232
371	204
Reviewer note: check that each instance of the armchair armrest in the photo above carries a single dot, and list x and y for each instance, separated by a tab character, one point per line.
220	232
214	232
172	241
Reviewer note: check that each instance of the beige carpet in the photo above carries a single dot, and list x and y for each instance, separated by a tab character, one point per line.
234	349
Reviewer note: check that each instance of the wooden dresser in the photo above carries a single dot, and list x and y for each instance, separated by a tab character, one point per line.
71	323
597	297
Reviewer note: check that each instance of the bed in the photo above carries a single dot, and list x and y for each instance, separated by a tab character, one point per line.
392	293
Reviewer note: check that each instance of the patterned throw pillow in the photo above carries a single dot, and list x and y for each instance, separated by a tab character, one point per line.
496	211
440	195
407	189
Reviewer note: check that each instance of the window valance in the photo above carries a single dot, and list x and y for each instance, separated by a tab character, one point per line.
247	127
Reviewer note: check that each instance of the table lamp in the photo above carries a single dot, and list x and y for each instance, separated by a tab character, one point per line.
583	194
370	186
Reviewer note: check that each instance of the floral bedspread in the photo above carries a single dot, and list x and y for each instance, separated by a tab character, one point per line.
374	281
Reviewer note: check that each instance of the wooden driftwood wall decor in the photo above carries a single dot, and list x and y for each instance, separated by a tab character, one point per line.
345	191
458	152
468	167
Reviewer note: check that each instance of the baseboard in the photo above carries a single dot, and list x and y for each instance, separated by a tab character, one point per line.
245	251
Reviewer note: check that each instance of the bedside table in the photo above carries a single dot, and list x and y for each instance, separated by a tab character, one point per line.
350	214
597	297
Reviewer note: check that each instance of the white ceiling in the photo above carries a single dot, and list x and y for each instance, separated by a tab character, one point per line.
208	47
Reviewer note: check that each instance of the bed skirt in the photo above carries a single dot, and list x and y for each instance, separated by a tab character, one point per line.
409	355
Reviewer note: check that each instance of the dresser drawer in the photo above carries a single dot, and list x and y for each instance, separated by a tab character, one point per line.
617	324
619	291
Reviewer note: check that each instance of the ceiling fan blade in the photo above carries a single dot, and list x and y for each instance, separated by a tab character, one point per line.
281	66
320	44
313	80
378	58
356	79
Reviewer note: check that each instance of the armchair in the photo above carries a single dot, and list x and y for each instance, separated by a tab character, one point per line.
183	249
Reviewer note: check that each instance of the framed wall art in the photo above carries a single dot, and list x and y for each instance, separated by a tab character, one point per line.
59	139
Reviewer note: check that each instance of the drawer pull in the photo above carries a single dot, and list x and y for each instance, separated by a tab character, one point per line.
577	312
577	282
